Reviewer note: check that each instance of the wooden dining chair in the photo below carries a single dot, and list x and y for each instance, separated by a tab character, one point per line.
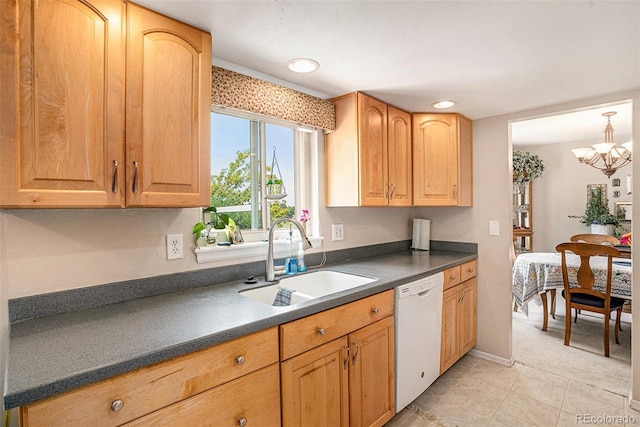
584	296
598	239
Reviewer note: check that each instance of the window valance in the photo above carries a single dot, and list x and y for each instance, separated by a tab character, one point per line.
241	92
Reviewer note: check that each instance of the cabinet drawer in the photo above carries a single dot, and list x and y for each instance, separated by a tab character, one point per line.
451	277
154	387
468	270
254	398
303	334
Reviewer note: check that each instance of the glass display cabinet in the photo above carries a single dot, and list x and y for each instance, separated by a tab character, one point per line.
522	220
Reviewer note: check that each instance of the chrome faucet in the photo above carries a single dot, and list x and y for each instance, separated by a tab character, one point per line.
270	275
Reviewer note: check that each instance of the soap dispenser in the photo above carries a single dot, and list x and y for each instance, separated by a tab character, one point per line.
292	260
301	266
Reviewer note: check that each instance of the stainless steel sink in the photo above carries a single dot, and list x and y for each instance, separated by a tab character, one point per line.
309	286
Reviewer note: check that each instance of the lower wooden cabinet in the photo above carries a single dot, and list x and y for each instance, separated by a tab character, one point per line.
127	397
253	400
315	386
458	315
349	381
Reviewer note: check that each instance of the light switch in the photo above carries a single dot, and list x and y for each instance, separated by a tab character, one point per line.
494	228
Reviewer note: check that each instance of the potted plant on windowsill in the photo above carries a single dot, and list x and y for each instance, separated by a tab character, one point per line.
597	214
219	228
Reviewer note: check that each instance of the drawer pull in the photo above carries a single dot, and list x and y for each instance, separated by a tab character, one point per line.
452	277
240	360
375	310
242	421
470	270
321	331
116	405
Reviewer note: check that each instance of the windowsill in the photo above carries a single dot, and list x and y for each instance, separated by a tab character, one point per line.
249	250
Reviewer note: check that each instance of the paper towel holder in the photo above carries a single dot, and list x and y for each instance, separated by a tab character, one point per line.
421	234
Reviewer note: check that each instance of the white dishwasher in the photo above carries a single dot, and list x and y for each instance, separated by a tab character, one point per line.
418	330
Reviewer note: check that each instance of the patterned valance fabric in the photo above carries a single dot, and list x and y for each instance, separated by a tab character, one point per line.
235	90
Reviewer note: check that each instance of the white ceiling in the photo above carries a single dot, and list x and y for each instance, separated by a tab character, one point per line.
585	127
492	57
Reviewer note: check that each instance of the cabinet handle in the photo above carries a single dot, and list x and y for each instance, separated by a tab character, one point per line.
470	270
346	359
240	360
393	191
242	421
452	277
321	331
375	310
455	192
462	297
116	405
134	187
114	184
355	355
386	195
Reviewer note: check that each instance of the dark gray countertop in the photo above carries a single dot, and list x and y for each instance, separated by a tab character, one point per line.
57	353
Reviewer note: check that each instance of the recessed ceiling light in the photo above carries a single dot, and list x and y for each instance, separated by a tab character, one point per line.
303	65
443	104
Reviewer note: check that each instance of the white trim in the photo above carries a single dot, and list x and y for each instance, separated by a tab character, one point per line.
634	404
492	358
248	250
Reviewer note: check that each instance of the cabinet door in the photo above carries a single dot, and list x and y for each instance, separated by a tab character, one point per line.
168	112
315	387
467	312
435	157
372	374
63	84
372	123
252	400
450	349
400	158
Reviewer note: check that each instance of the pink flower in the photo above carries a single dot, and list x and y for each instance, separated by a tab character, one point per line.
305	215
626	239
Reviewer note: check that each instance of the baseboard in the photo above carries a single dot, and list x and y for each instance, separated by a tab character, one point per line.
492	358
634	404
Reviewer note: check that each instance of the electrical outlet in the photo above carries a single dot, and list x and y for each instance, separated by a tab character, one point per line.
174	246
337	232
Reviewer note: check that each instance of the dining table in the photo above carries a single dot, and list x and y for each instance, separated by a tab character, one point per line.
535	274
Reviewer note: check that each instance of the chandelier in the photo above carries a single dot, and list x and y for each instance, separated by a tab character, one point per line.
613	158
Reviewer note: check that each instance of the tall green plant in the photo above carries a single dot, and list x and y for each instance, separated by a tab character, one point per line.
597	211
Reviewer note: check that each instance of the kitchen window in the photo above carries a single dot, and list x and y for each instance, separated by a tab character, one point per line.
243	168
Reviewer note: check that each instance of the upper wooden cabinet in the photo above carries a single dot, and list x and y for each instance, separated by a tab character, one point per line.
442	160
70	138
168	135
400	158
368	156
63	103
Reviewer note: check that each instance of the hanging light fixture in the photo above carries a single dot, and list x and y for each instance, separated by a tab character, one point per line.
613	158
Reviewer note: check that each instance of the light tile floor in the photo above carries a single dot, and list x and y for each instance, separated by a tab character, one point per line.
477	392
